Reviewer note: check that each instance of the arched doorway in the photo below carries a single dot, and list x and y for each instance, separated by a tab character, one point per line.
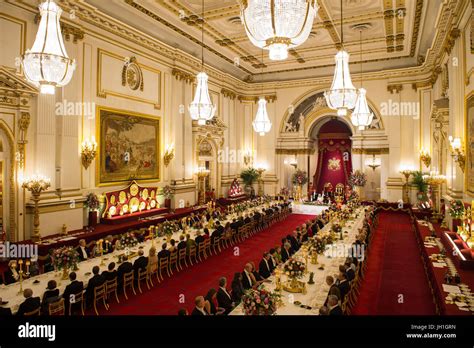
7	182
333	163
207	158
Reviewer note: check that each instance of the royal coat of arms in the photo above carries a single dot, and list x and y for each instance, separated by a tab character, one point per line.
334	164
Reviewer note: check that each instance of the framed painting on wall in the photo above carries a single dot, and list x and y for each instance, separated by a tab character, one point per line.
129	146
469	141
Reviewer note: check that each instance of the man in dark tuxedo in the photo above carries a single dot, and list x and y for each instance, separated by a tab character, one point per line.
199	308
333	305
247	219
272	262
30	304
84	253
199	239
182	243
224	299
4	312
72	288
264	268
344	285
294	243
164	253
140	263
285	251
11	275
124	268
219	229
247	277
95	281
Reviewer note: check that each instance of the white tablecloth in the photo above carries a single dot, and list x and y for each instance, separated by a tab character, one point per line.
315	293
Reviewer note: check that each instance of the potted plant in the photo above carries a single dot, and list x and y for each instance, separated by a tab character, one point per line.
299	178
168	193
420	183
456	210
249	176
92	203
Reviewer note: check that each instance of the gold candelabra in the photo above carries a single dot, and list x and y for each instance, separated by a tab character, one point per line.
36	184
169	155
457	149
260	172
436	180
406	193
425	157
202	174
19	265
88	152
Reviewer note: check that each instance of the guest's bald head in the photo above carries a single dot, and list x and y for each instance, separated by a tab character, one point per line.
27	293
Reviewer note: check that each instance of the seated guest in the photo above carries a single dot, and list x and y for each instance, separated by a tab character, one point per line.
324	310
206	233
276	256
189	242
214	308
272	262
344	285
237	287
95	281
199	240
50	295
333	305
265	267
152	264
30	304
172	247
350	274
108	244
200	303
84	253
182	243
224	299
293	241
257	277
111	273
11	275
73	288
183	311
285	252
140	263
164	253
4	312
248	279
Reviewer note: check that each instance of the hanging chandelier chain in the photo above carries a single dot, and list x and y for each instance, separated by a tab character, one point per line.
342	28
361	79
202	35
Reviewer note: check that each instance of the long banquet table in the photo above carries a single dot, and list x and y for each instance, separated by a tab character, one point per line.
316	293
11	293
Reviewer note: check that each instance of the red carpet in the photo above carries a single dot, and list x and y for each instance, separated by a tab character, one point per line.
180	290
395	282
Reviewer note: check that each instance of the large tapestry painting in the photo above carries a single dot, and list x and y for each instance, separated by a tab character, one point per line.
129	146
470	145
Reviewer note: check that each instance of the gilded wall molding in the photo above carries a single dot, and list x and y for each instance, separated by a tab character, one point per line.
282	151
395	88
378	151
182	75
254	98
227	93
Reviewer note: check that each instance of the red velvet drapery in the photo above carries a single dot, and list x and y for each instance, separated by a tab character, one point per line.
334	163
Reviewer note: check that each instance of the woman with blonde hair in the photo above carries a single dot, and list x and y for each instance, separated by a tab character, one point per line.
152	266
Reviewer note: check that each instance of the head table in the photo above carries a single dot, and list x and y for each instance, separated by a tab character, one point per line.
316	293
13	295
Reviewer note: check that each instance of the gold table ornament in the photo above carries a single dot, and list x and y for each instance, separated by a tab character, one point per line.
36	184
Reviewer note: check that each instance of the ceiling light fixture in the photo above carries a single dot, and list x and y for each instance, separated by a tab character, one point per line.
47	64
343	95
262	123
278	25
201	109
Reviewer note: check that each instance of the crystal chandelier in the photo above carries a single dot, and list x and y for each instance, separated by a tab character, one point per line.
262	123
201	109
277	25
362	116
47	64
342	95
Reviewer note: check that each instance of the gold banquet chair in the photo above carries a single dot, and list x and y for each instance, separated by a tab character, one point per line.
193	254
216	245
207	247
33	313
57	308
111	288
143	276
163	263
128	283
78	299
182	258
100	294
173	262
201	250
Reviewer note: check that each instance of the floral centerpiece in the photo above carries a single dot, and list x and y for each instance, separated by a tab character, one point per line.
456	209
318	245
284	191
300	177
167	192
336	228
358	178
92	202
66	258
168	228
294	268
128	240
260	302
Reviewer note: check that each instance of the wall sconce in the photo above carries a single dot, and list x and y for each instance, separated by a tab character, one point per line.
88	152
425	157
169	154
458	152
248	158
374	164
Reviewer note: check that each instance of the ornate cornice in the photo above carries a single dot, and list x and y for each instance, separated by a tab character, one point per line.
182	75
395	88
294	151
227	93
378	151
254	98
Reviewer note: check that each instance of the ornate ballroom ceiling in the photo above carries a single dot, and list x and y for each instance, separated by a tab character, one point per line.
396	33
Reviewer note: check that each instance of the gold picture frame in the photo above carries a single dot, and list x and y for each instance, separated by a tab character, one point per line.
120	159
469	143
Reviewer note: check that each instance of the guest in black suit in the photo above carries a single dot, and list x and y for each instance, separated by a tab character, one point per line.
199	240
237	287
344	285
50	295
200	303
4	312
108	244
272	261
182	243
248	279
285	252
265	268
140	263
84	253
164	253
111	273
333	305
11	275
125	267
212	304
95	281
30	304
224	299
72	288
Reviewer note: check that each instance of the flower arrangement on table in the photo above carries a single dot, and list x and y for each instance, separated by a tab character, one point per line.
456	209
300	177
92	202
358	178
66	258
327	239
285	191
294	269
167	192
318	245
128	240
336	227
260	302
